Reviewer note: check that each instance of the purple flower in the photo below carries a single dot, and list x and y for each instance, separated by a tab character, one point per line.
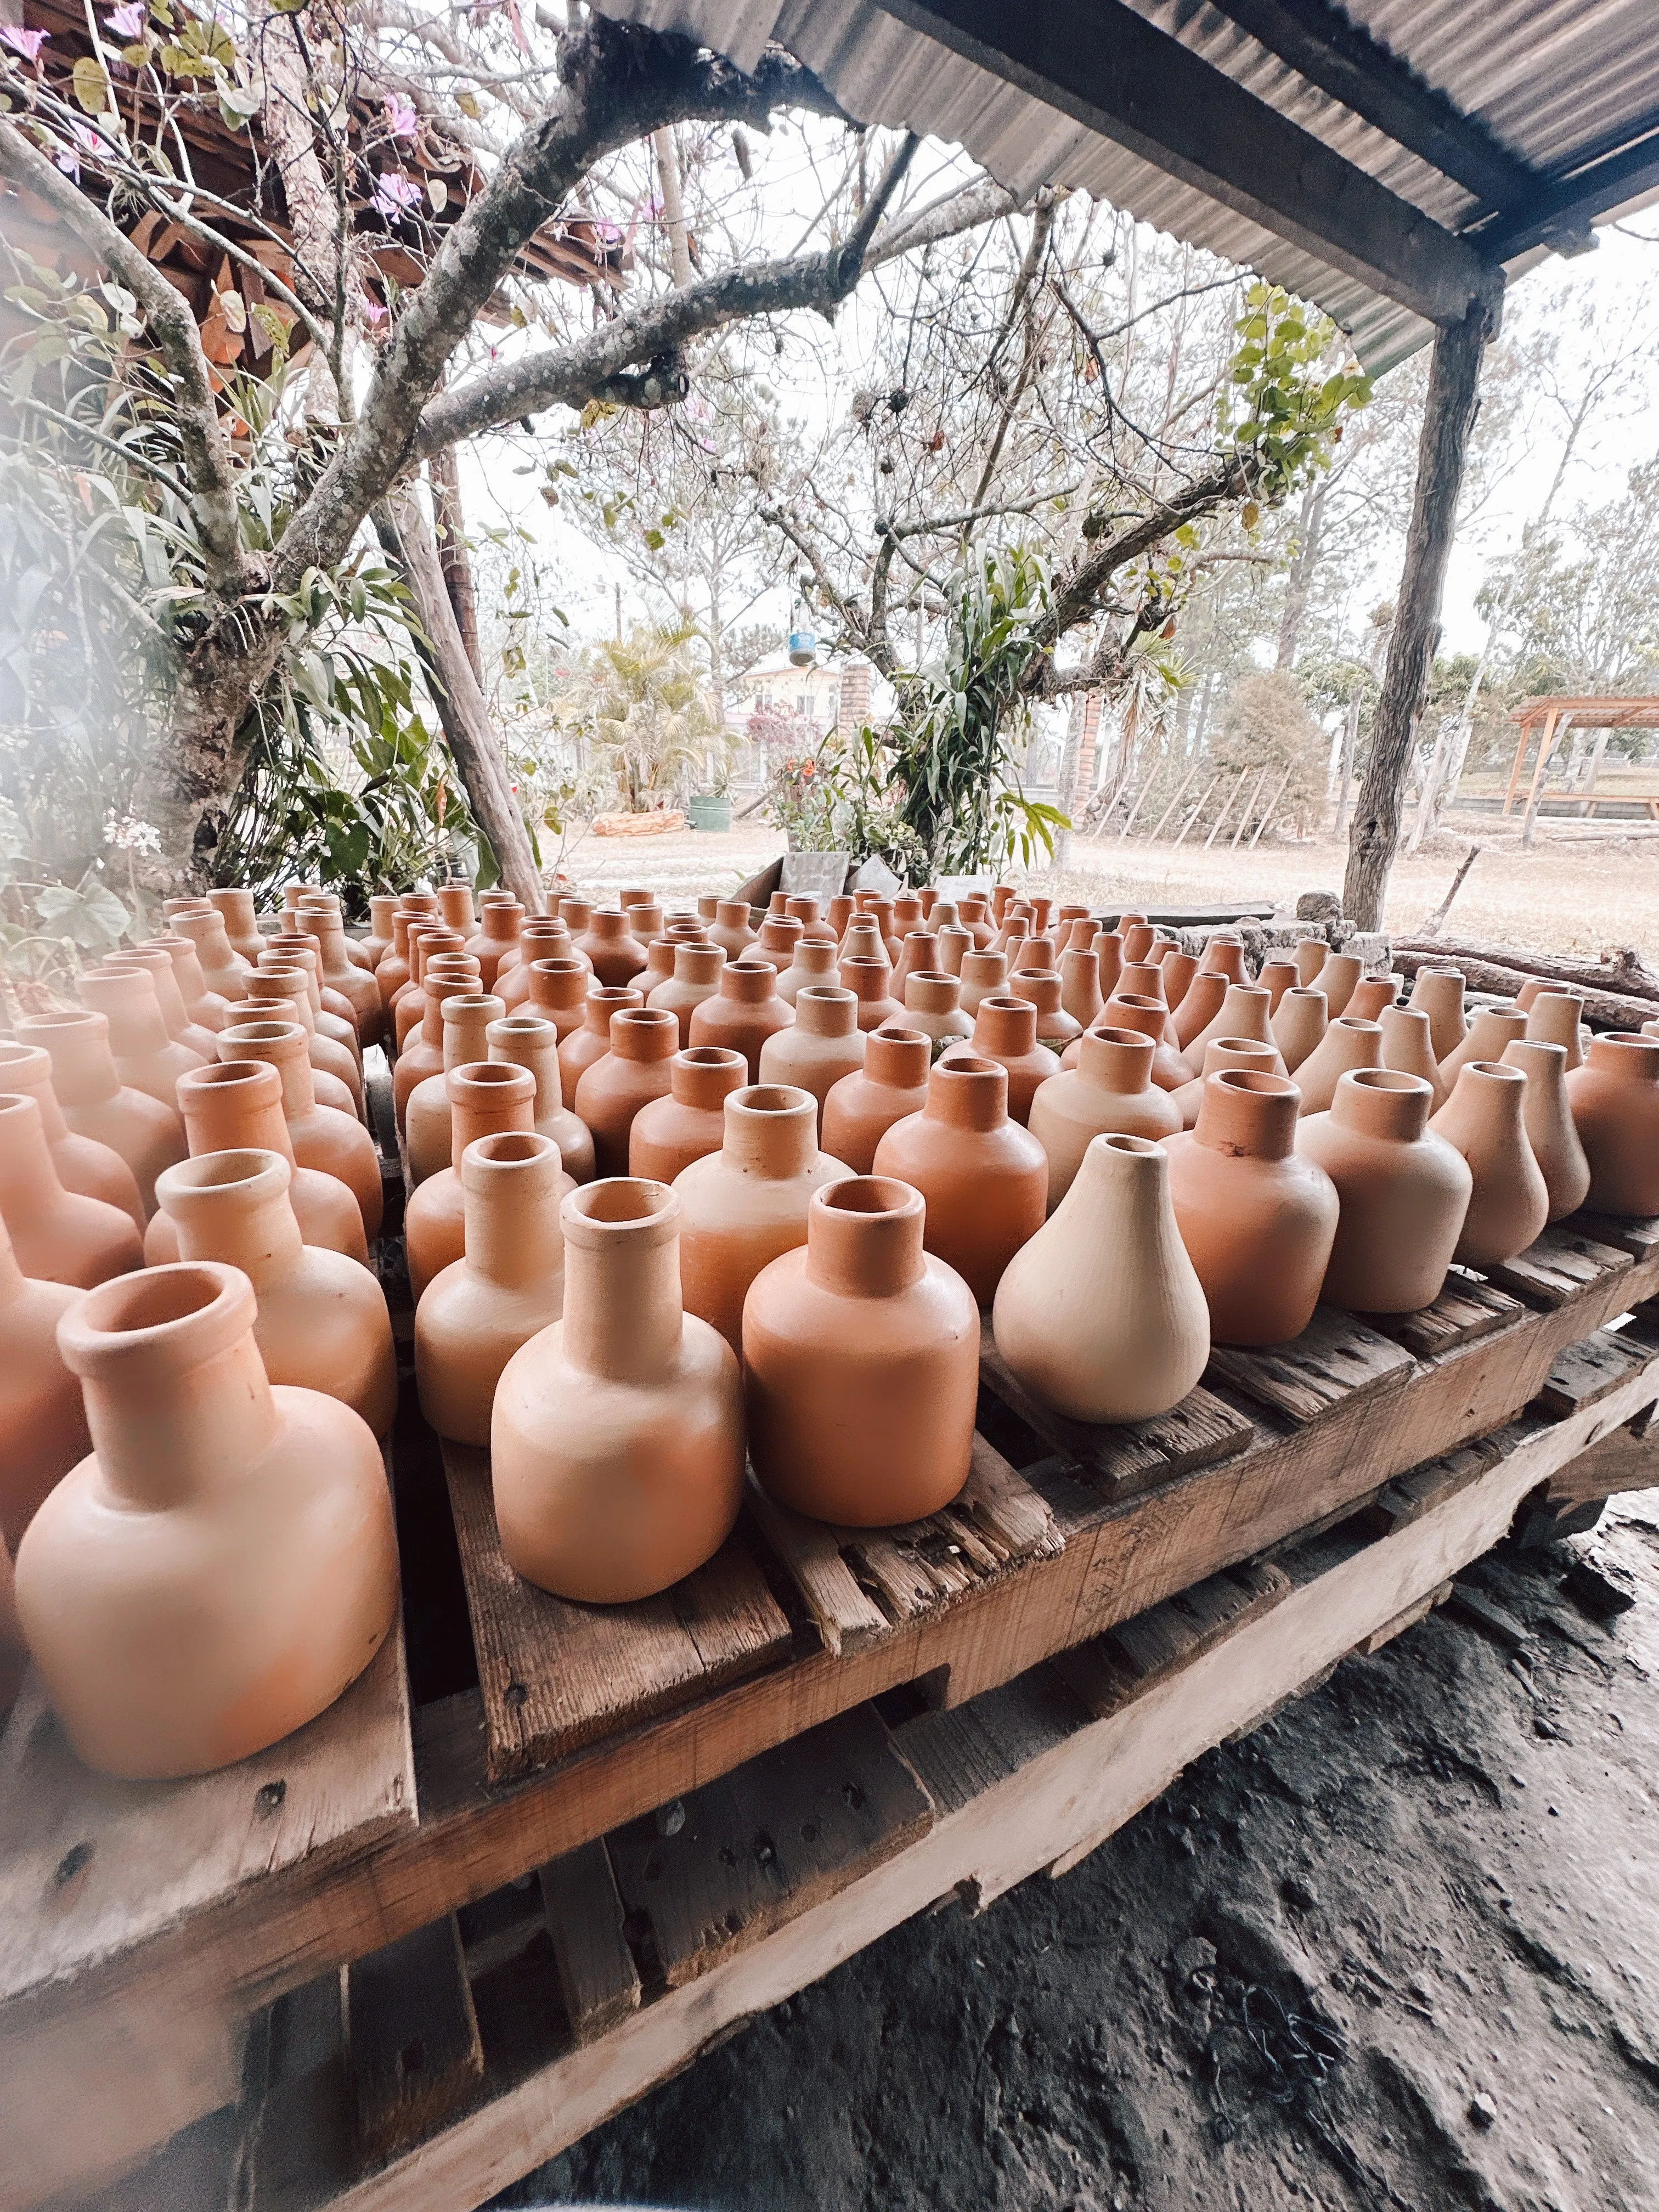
402	120
395	194
128	21
27	43
374	312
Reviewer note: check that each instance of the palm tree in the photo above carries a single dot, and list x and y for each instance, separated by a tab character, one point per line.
641	703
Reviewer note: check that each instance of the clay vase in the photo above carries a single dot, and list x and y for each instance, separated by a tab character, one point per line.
609	941
1491	1028
429	1140
973	912
423	1054
863	1106
744	1012
579	1050
863	940
955	944
281	995
670	1132
1040	988
1438	993
223	971
744	1205
1200	1003
1005	1031
527	1041
1552	1019
1141	979
237	1107
1339	979
1547	1118
1485	1119
815	961
805	908
1372	995
1406	1048
1223	956
1079	988
497	933
206	1008
1614	1098
696	977
575	914
224	1564
985	1179
1276	977
1245	1012
1130	1011
730	928
342	974
984	976
870	980
43	1423
841	910
330	1013
1223	1053
1404	1192
616	1443
84	1165
436	968
880	911
321	1137
918	955
175	1018
1311	954
1347	1043
1109	1092
377	943
96	1102
1101	1315
1258	1221
1298	1025
643	1042
823	1043
860	1355
1139	939
59	1235
242	923
932	1004
777	942
1108	951
392	970
507	1285
558	992
907	914
145	1055
537	940
321	1322
486	1099
456	905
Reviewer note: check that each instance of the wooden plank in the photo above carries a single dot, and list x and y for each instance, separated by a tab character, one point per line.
1627	1459
1337	1358
765	1843
1562	1265
1466	1310
1639	1238
1586	1372
554	1675
1129	1457
846	1616
1410	1496
597	1979
411	2038
1129	1659
1418	1610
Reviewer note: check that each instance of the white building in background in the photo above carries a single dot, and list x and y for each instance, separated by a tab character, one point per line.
830	692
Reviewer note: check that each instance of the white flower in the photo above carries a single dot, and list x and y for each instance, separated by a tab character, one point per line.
131	836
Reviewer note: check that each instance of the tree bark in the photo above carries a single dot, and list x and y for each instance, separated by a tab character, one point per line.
1298	585
1624	971
444	470
1603	1010
1447	417
461	704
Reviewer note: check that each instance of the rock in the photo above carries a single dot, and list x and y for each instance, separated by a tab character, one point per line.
1319	906
1298	1893
1194	1956
1601	1589
1482	2112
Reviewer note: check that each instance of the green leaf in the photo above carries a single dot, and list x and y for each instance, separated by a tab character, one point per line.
91	82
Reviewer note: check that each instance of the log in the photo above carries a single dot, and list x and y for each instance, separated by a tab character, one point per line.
1621	972
1603	1010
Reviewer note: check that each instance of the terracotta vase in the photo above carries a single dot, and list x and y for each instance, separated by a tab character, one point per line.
744	1205
1200	1003
776	941
1404	1192
1552	1017
985	1179
43	1424
579	1050
643	1042
1219	1055
224	971
862	941
1101	1315
330	1023
918	955
1005	1031
96	1102
1407	1048
427	1137
1109	1092
1080	986
1276	977
377	943
670	1132
863	1106
507	1285
528	1041
880	911
841	910
817	961
1311	954
823	1043
984	976
806	909
1139	939
322	1138
743	1012
497	932
1142	979
1258	1221
696	977
392	972
241	923
616	954
932	1004
1491	1028
537	939
955	944
438	951
59	1235
973	912
1223	956
224	1564
145	1056
730	927
1347	1043
423	1054
445	968
1614	1098
194	1036
488	1098
1245	1012
342	974
1485	1119
1108	951
616	1443
1438	993
1339	979
1147	1016
860	1354
321	1322
558	992
1547	1115
575	914
237	1107
206	1008
1371	995
281	995
84	1165
457	906
1040	988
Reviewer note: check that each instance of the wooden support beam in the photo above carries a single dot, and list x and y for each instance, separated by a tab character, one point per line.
1562	213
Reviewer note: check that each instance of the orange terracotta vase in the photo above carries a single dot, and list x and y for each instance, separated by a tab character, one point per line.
1221	1053
1311	954
984	976
815	962
860	1107
1200	1003
237	1107
43	1423
871	983
1554	1018
321	1137
743	1013
206	1008
224	971
340	972
96	1102
1040	988
1403	1190
670	1132
1109	1092
145	1055
537	939
1245	1012
1347	1043
1490	1030
487	1098
497	935
558	992
1438	993
820	1045
1614	1098
616	1443
1547	1116
636	1070
1484	1119
1146	1016
169	999
730	928
1005	1031
423	1054
984	1177
59	1235
696	977
280	995
617	955
528	1041
860	1354
1371	995
583	1047
84	1165
1079	988
1339	979
428	1139
223	1564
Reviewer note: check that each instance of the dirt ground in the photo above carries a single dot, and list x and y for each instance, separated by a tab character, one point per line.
1398	1948
1568	894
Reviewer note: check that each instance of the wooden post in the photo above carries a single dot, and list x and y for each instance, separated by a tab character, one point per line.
1244	818
1447	417
1158	831
1521	744
1226	808
1268	811
1198	810
453	556
1553	727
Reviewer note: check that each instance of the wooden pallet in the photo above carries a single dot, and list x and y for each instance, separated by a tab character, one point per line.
128	1998
556	2004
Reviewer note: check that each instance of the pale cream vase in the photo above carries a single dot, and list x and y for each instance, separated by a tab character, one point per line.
1490	1030
1483	1118
1552	1019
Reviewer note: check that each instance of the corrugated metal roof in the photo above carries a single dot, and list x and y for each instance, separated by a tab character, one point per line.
1557	82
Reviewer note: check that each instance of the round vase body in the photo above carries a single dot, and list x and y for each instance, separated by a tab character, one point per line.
1404	1192
670	1132
1614	1098
1109	1092
862	1107
1484	1119
42	1422
823	1043
1490	1030
984	1178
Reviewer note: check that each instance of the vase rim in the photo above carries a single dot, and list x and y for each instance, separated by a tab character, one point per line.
250	1168
165	1318
633	1209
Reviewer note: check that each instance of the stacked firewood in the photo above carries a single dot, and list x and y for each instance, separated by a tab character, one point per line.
1619	991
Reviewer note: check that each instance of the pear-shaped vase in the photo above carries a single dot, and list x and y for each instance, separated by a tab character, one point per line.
1547	1115
1484	1118
1347	1043
1408	1048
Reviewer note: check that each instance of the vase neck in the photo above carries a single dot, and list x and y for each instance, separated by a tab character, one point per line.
236	1106
467	1019
28	1177
1249	1116
183	1434
864	1238
512	1186
29	1067
235	1206
624	1318
771	1132
529	1041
